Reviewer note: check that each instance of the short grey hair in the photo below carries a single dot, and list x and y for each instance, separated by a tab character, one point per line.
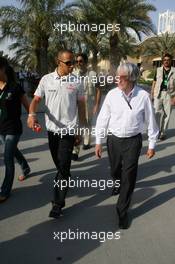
131	70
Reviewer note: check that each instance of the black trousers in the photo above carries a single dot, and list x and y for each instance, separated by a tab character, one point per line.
123	156
61	151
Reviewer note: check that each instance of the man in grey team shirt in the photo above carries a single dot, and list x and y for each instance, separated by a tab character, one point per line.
64	100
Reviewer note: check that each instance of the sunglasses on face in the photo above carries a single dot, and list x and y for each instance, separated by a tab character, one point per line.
79	61
68	63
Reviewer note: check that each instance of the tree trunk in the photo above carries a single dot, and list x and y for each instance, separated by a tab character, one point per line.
37	54
94	59
41	53
44	56
114	55
43	61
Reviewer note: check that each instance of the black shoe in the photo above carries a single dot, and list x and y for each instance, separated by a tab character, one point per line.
85	147
74	157
115	191
162	137
27	171
56	211
3	198
123	221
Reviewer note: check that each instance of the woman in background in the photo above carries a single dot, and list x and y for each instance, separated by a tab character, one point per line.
11	98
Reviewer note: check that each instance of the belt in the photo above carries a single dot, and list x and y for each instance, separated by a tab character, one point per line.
139	134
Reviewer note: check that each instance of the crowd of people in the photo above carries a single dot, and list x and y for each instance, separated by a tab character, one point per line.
70	105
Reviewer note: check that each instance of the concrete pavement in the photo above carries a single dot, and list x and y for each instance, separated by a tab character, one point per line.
27	234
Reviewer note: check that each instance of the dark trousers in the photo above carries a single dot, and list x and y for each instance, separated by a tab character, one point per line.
61	151
123	156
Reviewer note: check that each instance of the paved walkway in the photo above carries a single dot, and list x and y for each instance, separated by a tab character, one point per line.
26	232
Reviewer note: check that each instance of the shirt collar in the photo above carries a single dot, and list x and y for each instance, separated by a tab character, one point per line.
66	78
130	95
56	75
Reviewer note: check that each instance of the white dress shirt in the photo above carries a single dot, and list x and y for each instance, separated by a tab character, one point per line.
124	116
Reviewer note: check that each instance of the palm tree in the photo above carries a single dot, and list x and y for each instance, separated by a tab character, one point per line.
83	12
159	45
132	15
31	26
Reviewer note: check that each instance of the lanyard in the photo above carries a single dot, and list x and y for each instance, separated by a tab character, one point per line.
1	95
127	101
3	92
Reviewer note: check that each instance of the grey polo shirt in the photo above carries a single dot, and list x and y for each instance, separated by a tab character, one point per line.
61	97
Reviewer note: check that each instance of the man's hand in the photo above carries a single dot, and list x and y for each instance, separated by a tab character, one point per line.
173	100
152	98
98	150
31	121
95	109
150	153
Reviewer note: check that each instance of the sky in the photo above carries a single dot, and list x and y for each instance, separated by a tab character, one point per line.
161	6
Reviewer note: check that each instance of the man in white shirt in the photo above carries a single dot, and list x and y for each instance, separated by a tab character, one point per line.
64	101
125	110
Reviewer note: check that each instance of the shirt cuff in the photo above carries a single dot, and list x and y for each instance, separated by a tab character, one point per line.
38	95
152	144
98	140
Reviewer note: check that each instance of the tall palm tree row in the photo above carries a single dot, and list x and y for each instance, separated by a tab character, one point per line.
31	27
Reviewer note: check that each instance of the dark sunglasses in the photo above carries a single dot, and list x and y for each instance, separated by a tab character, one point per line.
77	61
68	63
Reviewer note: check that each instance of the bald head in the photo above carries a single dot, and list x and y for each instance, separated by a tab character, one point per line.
63	53
65	61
